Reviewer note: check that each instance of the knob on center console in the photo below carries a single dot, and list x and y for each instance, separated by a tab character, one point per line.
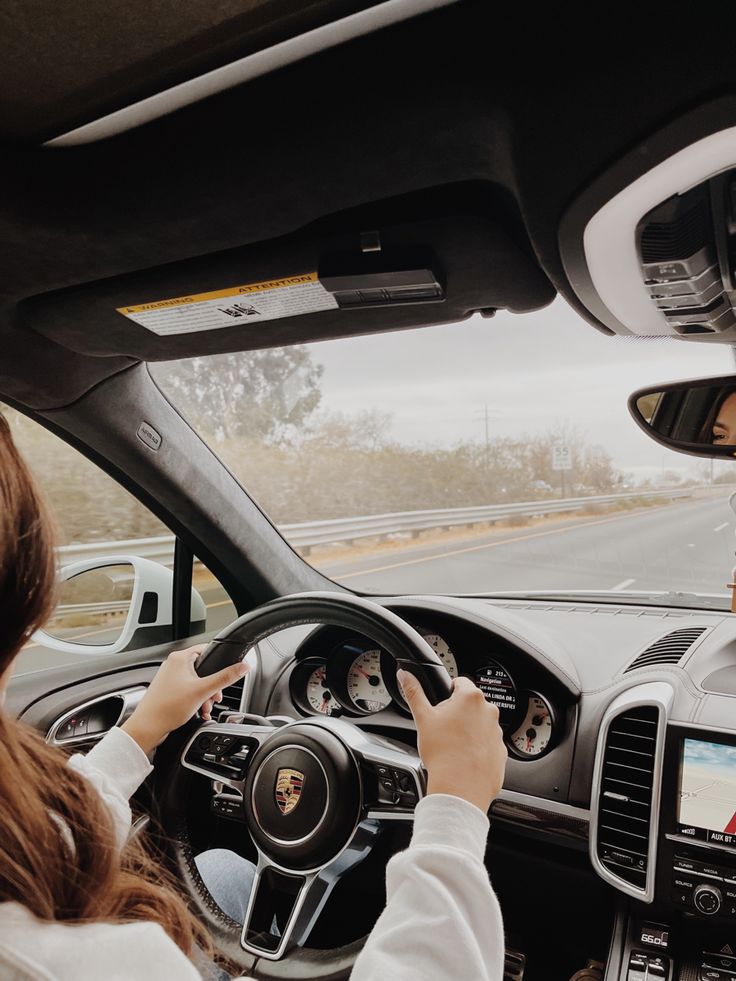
707	899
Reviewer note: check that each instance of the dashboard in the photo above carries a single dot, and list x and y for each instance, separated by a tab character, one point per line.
337	673
619	749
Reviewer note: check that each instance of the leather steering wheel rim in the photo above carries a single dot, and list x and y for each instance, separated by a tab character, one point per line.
174	784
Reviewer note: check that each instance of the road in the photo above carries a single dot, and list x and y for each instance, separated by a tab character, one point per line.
685	546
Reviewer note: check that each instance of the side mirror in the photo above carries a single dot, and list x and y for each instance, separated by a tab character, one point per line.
115	603
696	417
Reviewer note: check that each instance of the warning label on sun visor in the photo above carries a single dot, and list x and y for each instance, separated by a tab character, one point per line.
253	303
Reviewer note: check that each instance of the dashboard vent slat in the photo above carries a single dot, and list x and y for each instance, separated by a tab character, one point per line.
625	801
669	649
231	698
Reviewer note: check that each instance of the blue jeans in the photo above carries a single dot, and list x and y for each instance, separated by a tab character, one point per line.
229	880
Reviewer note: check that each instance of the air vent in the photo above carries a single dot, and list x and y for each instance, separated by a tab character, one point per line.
625	800
669	649
232	697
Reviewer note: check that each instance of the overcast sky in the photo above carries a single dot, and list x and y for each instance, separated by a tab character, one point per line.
534	371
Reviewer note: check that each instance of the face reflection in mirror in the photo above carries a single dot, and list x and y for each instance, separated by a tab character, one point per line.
696	417
724	425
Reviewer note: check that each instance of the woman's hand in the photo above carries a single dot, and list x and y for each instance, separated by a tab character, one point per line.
175	695
460	741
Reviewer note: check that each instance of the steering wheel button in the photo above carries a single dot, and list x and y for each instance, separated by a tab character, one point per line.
403	781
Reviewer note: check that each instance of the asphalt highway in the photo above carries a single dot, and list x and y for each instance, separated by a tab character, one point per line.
684	546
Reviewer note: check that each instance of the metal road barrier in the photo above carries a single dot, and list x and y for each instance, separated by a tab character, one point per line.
305	535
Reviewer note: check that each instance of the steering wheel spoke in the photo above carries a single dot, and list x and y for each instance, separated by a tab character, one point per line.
285	906
394	780
223	751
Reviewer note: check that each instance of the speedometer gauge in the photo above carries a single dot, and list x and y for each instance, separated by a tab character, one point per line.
366	688
319	695
442	649
534	735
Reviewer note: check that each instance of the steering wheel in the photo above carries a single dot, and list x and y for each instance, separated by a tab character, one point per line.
311	794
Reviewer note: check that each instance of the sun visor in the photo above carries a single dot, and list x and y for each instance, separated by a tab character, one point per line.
362	274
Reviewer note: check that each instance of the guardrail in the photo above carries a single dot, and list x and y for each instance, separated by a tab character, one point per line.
305	535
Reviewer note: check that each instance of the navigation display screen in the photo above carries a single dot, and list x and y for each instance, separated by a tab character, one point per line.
707	808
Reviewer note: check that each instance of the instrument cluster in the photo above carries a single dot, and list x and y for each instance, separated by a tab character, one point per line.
346	675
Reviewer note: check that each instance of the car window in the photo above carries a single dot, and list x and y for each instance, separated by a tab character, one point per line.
468	457
96	517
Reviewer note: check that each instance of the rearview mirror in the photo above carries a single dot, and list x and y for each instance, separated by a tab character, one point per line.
696	417
115	603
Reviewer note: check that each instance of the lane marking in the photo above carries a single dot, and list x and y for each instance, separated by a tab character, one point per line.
624	584
721	527
506	541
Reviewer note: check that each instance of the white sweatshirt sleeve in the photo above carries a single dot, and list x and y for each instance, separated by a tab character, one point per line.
442	920
116	767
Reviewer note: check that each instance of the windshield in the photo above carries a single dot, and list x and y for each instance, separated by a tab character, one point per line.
489	456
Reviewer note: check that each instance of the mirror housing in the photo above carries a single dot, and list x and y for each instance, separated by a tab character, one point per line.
690	416
149	616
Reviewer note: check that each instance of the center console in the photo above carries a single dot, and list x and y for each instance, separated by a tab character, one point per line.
663	831
696	860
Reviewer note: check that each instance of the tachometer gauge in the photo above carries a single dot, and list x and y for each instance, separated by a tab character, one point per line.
534	735
498	686
319	696
443	651
365	685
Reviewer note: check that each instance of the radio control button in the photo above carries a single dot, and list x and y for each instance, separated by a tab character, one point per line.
709	871
683	897
684	864
683	882
707	899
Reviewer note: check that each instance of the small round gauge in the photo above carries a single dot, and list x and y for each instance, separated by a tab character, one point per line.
498	686
310	690
534	735
319	696
365	685
442	648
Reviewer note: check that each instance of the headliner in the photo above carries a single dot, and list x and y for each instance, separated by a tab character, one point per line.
425	105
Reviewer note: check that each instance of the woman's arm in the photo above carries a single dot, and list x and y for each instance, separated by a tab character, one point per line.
119	763
442	919
116	767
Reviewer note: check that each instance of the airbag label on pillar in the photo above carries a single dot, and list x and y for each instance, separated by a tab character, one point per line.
250	304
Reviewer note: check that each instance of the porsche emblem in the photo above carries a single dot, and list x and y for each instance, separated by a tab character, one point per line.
289	784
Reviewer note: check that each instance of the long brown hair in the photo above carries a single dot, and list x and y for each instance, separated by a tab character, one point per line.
58	855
